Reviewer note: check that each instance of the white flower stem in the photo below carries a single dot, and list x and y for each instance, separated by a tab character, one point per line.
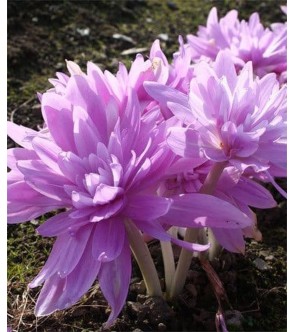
192	234
169	264
215	247
144	260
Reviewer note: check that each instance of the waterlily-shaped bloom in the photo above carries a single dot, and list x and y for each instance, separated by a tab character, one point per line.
99	161
246	41
231	117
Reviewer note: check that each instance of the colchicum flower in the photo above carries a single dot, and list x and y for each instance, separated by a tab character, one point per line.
234	120
98	163
245	41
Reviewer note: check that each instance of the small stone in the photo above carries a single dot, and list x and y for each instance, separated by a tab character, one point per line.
162	327
131	51
35	19
172	5
34	222
83	32
261	264
149	20
134	306
59	65
163	36
269	258
263	253
124	38
138	287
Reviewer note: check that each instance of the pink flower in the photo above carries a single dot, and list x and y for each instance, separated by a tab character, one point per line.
99	161
233	118
245	41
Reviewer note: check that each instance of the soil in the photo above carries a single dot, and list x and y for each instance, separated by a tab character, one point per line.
41	35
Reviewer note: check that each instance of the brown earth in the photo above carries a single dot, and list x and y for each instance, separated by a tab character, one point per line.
41	35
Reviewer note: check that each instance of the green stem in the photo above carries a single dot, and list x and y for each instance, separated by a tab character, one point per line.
144	260
193	235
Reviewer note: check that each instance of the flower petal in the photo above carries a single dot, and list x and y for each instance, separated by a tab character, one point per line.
144	207
61	223
58	115
65	255
253	194
16	154
184	142
108	239
231	239
105	193
152	228
20	134
48	152
190	246
24	203
202	210
114	279
60	293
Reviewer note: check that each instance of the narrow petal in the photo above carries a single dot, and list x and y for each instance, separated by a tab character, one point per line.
144	207
25	203
253	194
86	134
224	66
108	239
20	134
80	94
107	210
190	246
114	279
48	152
152	228
231	239
47	301
60	224
65	255
60	293
57	112
200	210
16	154
105	193
184	142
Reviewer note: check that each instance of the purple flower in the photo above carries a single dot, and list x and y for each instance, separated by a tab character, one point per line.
94	160
232	187
99	161
246	41
233	118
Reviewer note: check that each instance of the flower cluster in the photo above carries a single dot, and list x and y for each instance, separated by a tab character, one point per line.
266	48
125	158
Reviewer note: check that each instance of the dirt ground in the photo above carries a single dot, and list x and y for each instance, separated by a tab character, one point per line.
41	35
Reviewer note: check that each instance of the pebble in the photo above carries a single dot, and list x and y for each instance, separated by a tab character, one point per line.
162	327
83	32
261	264
163	36
172	5
269	258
